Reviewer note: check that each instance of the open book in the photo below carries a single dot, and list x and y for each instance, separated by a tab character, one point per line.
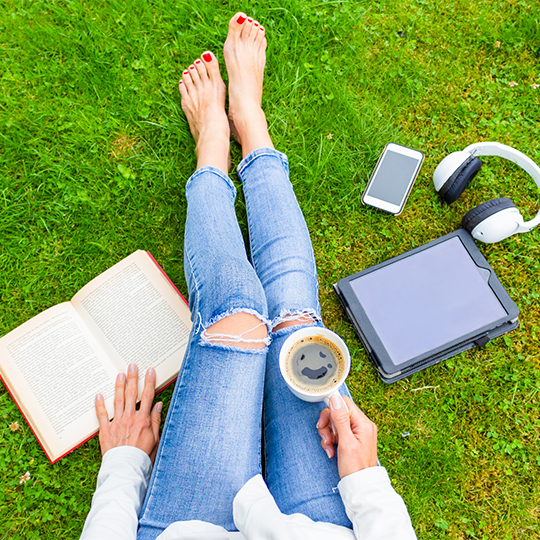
54	364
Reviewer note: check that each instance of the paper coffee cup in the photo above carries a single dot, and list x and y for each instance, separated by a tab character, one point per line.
314	362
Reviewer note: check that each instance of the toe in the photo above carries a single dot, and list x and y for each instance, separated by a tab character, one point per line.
237	22
211	64
201	69
247	31
183	89
259	36
194	74
187	83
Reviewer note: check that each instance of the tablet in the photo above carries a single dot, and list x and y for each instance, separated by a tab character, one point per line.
428	304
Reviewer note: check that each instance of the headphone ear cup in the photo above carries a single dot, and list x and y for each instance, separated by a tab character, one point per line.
456	184
481	212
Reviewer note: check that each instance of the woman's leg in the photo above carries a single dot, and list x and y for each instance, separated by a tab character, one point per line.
298	472
210	445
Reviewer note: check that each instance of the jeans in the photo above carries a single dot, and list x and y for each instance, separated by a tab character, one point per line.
226	397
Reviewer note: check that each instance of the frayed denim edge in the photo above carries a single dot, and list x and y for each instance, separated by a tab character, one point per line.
297	313
204	343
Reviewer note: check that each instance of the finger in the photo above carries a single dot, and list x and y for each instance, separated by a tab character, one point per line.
328	448
339	413
101	413
327	437
132	388
156	419
119	395
324	418
148	392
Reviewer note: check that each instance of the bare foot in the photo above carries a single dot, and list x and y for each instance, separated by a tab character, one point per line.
245	58
203	102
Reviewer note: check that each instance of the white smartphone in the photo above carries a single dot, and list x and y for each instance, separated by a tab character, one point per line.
393	178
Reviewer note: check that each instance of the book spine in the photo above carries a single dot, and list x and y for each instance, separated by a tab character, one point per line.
167	277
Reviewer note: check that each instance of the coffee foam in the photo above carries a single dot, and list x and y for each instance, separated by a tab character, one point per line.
314	364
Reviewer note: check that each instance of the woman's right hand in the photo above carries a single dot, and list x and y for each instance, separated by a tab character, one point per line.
353	432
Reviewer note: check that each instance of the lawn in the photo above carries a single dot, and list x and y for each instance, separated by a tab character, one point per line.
95	152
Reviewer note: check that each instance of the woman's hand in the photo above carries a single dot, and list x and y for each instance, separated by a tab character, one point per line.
131	427
354	433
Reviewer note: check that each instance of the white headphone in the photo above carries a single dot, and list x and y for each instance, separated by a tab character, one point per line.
493	220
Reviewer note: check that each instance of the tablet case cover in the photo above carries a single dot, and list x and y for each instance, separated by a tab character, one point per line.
395	343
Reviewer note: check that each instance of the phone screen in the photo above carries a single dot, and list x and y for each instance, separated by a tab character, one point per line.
393	178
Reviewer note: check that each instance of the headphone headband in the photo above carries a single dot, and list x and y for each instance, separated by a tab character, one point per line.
507	152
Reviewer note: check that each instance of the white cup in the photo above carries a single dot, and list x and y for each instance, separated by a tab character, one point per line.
306	335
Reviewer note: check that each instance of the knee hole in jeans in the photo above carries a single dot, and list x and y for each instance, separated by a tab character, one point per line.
243	330
294	319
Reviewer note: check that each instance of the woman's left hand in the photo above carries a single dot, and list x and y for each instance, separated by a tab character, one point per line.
131	427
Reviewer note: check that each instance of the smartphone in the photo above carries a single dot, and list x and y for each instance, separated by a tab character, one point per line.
393	178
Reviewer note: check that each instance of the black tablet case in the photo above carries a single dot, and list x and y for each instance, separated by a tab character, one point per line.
377	352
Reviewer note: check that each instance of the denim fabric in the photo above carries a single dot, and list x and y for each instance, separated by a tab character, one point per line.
211	441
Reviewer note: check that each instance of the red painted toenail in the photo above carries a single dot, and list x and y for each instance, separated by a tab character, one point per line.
181	82
250	19
197	61
261	28
191	67
240	19
186	72
207	57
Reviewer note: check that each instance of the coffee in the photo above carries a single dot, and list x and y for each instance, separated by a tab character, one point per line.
314	364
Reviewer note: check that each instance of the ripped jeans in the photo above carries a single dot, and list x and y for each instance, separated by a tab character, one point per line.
211	441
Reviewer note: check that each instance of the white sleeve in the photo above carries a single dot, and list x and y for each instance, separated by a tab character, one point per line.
376	511
121	487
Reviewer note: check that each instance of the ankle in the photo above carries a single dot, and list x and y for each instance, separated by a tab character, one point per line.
213	150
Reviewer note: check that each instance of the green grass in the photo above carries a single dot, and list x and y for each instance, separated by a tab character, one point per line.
95	152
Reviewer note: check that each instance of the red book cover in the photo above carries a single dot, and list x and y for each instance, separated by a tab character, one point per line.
11	393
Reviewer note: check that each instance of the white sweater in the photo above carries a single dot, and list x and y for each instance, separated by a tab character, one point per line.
374	508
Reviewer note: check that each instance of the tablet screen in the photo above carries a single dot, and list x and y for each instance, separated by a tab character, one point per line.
426	300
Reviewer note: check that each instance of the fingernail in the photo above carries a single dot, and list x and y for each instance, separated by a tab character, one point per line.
336	402
159	407
132	368
99	397
151	372
240	19
327	450
317	426
120	377
197	61
207	57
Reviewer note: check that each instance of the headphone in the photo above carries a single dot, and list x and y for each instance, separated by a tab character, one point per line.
493	220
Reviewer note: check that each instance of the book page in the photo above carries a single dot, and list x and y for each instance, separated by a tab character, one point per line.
54	367
137	316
